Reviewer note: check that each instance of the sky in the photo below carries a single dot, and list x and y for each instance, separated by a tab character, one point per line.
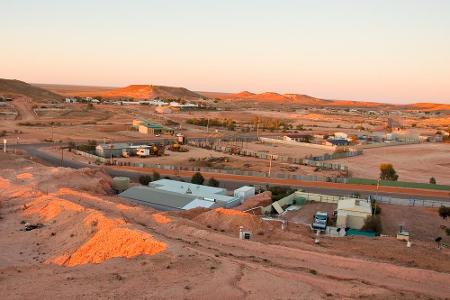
394	51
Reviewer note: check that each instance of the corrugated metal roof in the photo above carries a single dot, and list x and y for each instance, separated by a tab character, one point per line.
115	146
148	195
355	205
199	203
188	188
245	188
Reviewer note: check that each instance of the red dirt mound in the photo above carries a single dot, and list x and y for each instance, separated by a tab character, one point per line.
229	220
262	199
110	240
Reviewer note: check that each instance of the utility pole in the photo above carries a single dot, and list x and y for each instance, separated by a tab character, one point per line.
257	129
62	155
207	126
111	154
270	164
17	145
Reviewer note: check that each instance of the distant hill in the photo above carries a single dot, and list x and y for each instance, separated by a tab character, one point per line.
429	107
72	90
12	87
270	97
151	92
158	91
131	91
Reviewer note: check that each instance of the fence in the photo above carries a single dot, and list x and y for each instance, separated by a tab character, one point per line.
300	198
91	156
338	155
392	143
311	161
178	168
409	202
295	143
406	184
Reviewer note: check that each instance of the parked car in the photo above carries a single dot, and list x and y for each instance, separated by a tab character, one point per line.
320	220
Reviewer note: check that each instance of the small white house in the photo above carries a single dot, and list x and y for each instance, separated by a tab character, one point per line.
70	100
179	105
244	192
353	212
340	135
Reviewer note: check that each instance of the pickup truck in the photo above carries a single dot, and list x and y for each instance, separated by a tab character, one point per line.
320	220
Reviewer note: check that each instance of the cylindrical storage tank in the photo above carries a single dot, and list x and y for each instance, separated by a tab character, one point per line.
120	184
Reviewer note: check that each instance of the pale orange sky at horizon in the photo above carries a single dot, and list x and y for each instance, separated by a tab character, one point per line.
384	51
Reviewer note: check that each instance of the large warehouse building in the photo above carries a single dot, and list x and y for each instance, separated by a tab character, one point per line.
166	194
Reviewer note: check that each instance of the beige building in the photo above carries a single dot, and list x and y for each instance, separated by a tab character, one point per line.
353	212
163	110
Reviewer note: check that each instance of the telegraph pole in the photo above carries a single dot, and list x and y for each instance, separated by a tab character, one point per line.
270	164
111	154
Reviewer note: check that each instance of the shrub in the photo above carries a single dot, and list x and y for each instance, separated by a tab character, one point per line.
145	179
376	209
356	195
71	145
156	176
387	172
213	182
197	178
432	180
279	192
373	223
444	212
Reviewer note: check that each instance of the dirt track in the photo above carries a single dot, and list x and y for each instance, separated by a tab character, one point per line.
23	106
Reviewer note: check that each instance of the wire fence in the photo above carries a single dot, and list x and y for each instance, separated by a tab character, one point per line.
409	202
313	161
178	168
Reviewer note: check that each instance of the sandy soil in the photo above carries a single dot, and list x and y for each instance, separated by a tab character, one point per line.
415	163
93	245
306	214
422	223
198	157
284	150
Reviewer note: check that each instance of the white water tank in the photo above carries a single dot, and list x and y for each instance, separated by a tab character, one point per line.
244	192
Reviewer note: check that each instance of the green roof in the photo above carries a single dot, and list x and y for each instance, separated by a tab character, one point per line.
154	125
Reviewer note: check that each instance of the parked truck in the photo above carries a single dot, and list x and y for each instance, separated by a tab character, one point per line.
320	220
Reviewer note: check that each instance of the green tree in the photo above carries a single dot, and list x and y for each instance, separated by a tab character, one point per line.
213	182
145	179
432	180
71	145
444	212
373	223
197	178
156	176
387	172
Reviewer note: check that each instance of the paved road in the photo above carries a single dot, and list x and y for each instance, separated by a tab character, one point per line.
227	182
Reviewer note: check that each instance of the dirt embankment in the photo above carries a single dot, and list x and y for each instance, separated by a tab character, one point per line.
94	245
